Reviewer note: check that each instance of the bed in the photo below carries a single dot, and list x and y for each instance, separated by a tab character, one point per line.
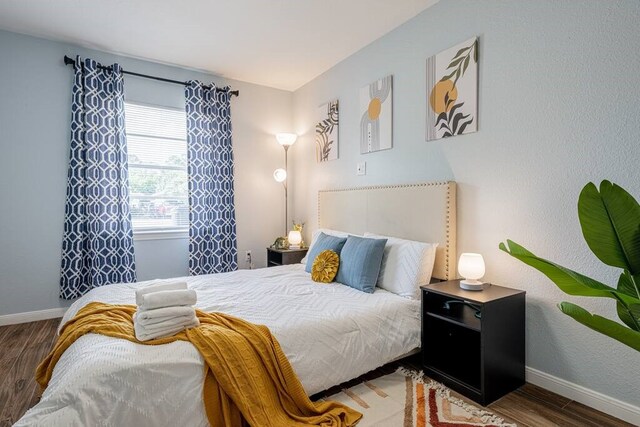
330	333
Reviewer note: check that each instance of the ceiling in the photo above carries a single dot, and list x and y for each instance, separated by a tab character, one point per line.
278	43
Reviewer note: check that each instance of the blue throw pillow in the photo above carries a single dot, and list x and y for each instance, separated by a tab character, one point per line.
360	261
322	243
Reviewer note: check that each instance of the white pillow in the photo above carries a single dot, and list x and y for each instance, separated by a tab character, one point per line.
406	265
316	233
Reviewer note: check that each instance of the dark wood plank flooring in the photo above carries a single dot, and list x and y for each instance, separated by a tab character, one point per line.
23	346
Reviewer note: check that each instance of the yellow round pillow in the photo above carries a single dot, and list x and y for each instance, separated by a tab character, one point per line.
325	267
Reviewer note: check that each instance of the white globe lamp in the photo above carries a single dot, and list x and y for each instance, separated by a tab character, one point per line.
295	238
280	175
471	267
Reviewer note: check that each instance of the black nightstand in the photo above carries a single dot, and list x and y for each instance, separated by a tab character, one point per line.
284	256
473	341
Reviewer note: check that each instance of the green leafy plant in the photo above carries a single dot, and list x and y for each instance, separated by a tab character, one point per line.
610	221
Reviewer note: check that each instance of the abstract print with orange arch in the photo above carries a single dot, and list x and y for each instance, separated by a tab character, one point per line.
452	91
376	122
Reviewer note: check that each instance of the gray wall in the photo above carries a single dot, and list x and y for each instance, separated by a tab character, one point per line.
35	99
558	107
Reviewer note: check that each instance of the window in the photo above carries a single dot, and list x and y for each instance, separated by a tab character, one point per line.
157	145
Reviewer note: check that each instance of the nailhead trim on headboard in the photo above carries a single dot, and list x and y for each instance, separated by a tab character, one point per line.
446	262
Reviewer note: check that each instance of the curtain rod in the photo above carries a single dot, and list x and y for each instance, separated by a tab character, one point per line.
71	61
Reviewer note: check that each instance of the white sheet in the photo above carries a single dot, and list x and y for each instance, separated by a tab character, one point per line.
330	334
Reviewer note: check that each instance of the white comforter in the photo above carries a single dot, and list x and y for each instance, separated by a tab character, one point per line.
330	334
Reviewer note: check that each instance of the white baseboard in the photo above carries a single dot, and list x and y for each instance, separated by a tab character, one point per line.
31	316
599	401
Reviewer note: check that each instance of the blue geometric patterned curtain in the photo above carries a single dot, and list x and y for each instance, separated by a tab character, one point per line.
97	246
212	218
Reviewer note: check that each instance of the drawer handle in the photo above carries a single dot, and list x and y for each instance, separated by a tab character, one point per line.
477	308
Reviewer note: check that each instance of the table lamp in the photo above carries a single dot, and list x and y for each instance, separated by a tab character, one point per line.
295	238
471	267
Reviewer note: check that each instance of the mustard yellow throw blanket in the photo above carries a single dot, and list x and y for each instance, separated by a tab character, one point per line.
247	375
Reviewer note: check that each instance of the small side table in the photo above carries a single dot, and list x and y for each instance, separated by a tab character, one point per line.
473	341
284	256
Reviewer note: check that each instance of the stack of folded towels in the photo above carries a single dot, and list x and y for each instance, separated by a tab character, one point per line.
164	309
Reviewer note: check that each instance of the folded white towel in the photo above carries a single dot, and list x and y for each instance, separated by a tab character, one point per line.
157	286
170	324
149	317
162	322
167	299
142	334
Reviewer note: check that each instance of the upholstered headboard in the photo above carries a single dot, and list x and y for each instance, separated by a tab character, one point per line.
424	212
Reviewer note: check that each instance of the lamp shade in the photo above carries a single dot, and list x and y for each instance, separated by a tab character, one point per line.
286	139
295	238
280	175
471	267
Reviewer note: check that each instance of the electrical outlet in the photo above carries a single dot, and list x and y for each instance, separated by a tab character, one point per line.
361	168
247	256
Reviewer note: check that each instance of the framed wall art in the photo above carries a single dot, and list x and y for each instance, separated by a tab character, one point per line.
452	91
376	106
327	132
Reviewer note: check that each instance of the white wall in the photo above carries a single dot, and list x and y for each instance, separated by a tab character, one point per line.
558	107
35	100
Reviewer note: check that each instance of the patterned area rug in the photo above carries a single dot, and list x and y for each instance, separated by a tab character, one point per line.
404	399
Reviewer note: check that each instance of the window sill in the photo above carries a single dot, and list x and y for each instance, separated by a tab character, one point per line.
160	235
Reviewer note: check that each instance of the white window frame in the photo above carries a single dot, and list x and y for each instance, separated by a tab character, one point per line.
156	233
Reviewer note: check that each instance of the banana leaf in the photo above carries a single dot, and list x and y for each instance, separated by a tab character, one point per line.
603	325
627	284
629	314
568	281
610	221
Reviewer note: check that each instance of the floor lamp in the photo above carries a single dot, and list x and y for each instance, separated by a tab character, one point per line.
280	175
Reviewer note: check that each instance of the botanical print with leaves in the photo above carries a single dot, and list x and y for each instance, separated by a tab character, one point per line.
327	132
452	91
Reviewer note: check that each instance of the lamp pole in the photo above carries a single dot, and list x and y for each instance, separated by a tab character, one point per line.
286	196
286	140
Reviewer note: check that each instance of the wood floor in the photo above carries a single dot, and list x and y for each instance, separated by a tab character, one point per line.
23	346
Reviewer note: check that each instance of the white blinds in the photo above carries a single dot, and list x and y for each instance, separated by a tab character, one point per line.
156	140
